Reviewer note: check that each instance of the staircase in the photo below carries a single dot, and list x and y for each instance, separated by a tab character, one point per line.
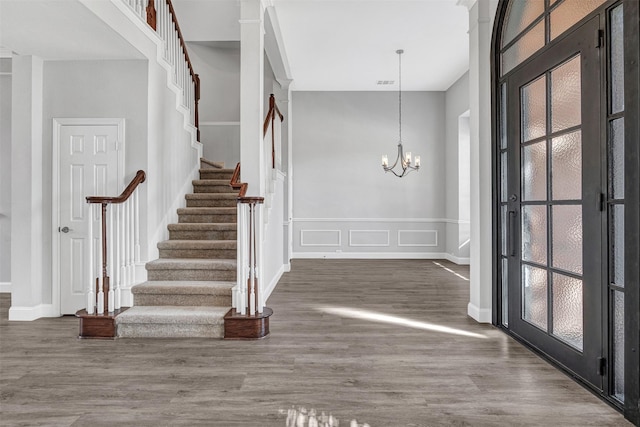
188	291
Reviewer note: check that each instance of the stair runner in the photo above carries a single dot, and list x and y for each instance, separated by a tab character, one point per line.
188	290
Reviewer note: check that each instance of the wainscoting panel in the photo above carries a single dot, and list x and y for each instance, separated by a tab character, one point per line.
320	237
369	237
417	238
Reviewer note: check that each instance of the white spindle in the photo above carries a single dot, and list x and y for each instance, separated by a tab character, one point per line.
111	294
122	245
100	293
136	225
116	262
91	295
259	238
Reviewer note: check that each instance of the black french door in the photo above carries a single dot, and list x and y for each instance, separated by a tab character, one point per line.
554	212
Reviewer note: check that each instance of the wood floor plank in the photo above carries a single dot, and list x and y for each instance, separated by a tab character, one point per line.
357	338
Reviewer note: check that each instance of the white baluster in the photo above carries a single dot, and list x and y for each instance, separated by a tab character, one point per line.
111	294
244	229
100	294
237	297
122	259
259	247
136	228
130	243
252	259
91	296
127	238
117	278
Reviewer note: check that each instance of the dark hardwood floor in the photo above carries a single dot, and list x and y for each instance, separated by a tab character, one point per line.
357	338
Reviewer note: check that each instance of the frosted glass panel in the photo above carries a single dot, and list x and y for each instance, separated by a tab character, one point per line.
534	296
530	43
503	115
569	13
618	345
534	234
616	240
534	171
505	292
503	230
566	167
534	110
519	15
503	177
616	156
567	237
617	60
565	95
567	309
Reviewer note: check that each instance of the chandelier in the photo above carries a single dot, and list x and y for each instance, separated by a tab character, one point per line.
403	160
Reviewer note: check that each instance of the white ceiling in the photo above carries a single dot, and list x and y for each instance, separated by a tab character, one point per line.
351	44
59	30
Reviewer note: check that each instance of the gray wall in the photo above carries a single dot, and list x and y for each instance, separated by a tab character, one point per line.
91	89
5	172
343	202
457	103
218	65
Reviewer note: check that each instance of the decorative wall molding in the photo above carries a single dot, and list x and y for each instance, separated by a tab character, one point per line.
353	237
417	220
414	233
303	232
370	255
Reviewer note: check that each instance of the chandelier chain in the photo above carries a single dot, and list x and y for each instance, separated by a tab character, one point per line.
400	96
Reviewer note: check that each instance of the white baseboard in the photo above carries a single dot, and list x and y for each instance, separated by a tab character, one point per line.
126	297
479	315
5	287
31	313
457	260
272	285
287	267
370	255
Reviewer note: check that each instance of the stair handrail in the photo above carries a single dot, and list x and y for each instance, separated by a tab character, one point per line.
273	112
127	253
236	184
161	16
126	193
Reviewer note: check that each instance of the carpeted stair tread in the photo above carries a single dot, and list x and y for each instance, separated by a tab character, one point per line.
197	244
184	287
208	210
191	264
203	226
209	196
173	314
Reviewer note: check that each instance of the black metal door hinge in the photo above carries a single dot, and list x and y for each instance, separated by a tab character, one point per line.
602	365
602	202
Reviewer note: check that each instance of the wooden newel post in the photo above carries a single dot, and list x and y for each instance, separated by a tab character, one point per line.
151	14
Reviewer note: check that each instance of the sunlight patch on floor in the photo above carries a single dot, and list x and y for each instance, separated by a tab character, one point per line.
450	271
356	313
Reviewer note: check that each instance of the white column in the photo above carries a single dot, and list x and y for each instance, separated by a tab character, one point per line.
481	13
287	167
251	95
30	298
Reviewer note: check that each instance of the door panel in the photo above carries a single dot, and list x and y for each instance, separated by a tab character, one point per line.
88	166
554	272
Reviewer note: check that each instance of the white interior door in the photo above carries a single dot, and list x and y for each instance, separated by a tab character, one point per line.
88	166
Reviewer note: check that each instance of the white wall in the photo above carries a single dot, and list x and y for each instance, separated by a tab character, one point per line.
343	202
5	174
218	65
457	104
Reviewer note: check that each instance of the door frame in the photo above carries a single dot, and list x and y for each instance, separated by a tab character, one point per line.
58	123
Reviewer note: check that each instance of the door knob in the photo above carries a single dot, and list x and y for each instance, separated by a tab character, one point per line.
65	229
